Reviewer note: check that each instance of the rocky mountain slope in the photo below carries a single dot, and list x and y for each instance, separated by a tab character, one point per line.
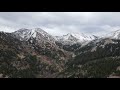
22	58
98	59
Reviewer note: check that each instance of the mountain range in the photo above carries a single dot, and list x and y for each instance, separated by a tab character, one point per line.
34	53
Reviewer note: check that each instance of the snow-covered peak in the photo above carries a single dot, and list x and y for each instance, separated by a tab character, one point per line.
72	38
30	32
36	33
113	35
69	36
84	37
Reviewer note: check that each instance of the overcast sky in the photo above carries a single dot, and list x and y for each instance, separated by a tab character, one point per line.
59	23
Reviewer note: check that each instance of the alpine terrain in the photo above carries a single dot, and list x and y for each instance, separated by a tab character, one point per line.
34	53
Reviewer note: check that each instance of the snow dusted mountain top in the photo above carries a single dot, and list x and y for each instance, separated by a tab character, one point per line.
30	32
72	38
69	39
37	33
113	35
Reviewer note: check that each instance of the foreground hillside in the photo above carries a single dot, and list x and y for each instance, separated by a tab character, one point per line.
19	59
98	59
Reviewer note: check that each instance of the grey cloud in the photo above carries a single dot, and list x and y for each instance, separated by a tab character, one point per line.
59	23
